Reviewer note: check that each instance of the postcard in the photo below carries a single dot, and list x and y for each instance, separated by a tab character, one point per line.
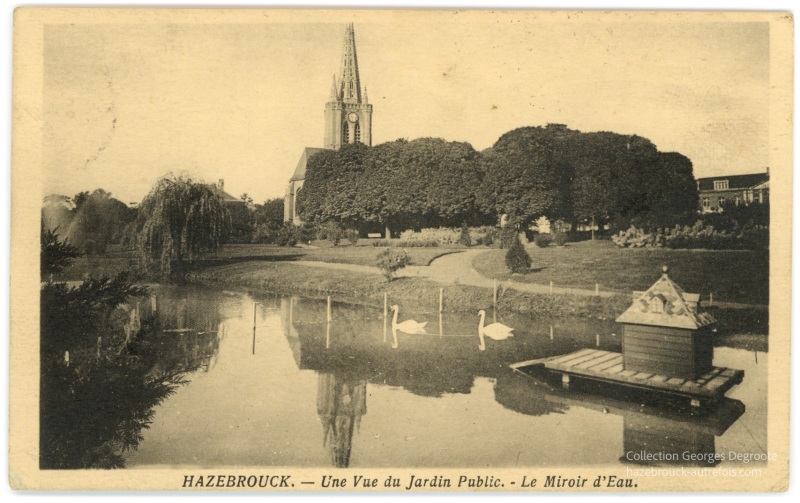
400	251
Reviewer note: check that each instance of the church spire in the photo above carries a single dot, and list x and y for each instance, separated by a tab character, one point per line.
334	92
350	84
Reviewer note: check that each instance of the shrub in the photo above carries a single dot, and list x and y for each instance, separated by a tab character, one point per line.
352	236
441	235
543	240
465	238
285	235
517	259
485	234
560	238
390	261
699	235
331	231
405	244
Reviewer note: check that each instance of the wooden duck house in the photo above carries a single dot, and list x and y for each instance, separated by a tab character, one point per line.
665	333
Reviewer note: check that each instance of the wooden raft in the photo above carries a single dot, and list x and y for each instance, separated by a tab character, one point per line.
606	366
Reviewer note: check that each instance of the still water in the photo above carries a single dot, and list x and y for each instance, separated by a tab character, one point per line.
277	385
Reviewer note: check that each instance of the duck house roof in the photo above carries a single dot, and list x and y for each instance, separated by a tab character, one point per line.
665	304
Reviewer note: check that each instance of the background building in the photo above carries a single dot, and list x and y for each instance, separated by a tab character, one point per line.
348	119
717	191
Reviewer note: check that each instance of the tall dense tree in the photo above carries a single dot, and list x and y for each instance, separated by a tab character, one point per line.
178	220
522	177
270	213
424	182
528	173
97	221
330	189
673	196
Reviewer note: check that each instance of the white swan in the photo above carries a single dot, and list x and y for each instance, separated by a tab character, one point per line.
408	326
496	331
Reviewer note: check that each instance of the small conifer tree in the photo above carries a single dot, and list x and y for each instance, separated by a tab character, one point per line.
517	259
465	238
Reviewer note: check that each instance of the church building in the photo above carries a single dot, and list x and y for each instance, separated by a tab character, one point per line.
348	119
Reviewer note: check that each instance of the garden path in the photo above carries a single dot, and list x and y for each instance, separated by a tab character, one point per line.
453	268
457	268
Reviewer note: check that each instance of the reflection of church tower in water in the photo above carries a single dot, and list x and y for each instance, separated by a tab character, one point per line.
348	119
340	405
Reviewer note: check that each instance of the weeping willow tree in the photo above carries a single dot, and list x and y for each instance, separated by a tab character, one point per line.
178	220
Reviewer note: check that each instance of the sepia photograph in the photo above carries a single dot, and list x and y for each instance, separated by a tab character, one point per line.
400	250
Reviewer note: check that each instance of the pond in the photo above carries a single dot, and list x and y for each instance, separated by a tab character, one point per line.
276	385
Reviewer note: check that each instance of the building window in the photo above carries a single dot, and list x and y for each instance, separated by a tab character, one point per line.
357	132
345	133
722	201
721	185
758	198
736	200
706	203
656	305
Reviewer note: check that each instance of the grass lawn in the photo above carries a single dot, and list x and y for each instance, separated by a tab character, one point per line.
323	251
732	276
363	253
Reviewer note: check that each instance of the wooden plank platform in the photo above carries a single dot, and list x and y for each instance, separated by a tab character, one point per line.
606	366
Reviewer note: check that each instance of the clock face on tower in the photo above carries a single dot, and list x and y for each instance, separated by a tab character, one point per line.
352	117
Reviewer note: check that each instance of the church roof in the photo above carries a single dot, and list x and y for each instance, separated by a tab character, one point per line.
665	304
300	170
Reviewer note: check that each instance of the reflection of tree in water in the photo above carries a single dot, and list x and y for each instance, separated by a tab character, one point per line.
340	404
525	395
95	404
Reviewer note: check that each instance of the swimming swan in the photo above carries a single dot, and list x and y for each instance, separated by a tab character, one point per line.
408	326
496	331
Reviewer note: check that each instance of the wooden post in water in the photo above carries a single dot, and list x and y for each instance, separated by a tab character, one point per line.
711	298
494	296
551	332
441	299
66	358
551	288
327	335
385	313
254	326
329	308
597	340
597	289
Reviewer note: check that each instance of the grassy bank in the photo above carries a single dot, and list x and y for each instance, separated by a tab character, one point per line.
323	251
732	276
419	294
748	325
116	261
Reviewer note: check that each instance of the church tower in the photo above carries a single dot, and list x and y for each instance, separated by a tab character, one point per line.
348	119
348	115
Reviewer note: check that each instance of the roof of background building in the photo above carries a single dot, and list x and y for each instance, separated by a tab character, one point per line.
225	196
300	170
734	181
679	308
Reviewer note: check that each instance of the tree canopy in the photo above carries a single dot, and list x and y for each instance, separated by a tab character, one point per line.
178	220
424	182
528	173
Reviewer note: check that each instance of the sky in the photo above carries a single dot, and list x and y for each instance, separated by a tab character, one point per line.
125	104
